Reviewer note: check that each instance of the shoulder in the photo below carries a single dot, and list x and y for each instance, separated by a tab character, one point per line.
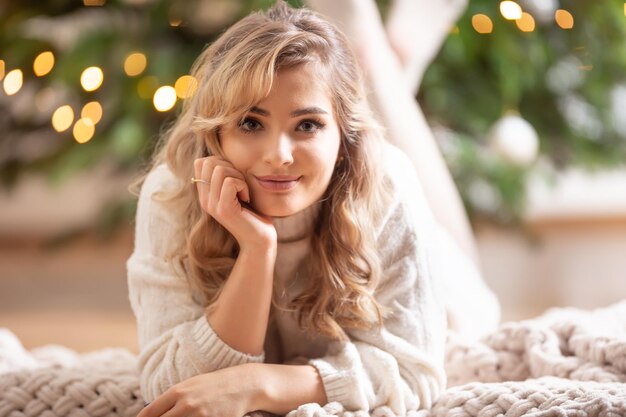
158	215
399	170
159	179
409	207
160	184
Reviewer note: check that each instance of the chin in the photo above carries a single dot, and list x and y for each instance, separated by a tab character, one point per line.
277	210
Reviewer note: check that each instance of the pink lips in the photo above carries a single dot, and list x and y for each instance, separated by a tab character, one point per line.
278	182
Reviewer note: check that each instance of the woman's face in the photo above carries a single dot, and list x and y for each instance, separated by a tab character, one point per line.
287	145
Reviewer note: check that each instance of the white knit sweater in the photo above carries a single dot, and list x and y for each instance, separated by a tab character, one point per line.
400	366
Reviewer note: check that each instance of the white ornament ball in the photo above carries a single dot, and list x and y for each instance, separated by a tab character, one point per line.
515	140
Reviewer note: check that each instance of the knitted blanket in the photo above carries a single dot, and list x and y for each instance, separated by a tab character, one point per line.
567	362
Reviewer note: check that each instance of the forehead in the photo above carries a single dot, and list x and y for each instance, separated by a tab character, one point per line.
304	84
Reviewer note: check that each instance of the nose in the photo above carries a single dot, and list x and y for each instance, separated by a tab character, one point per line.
279	151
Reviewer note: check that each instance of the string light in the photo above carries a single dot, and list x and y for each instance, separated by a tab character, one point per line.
91	78
526	23
84	130
62	118
13	82
92	111
564	19
164	98
510	10
43	63
135	64
482	23
186	86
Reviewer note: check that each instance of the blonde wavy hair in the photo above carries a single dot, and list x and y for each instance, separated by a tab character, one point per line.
235	73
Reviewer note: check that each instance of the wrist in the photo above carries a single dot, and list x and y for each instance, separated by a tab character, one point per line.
261	398
267	248
281	388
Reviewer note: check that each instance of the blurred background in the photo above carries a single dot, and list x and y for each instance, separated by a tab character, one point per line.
527	100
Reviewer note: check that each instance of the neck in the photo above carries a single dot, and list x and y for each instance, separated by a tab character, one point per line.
297	226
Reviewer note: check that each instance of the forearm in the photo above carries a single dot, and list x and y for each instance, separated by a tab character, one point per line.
285	387
240	314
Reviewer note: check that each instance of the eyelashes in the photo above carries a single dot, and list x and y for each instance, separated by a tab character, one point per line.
251	125
246	121
319	125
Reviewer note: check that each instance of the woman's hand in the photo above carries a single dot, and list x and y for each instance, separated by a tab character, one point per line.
222	198
228	392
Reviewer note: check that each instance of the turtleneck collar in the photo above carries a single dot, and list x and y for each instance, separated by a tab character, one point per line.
298	225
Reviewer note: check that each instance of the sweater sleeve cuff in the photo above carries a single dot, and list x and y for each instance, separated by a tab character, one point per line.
221	354
336	383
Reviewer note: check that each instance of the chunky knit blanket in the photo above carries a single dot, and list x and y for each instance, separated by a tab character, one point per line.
567	362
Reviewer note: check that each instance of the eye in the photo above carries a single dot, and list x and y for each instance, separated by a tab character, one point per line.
310	125
249	125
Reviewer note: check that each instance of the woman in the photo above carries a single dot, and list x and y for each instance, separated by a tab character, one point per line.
299	263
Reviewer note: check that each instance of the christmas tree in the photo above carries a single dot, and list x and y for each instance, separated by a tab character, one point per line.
531	86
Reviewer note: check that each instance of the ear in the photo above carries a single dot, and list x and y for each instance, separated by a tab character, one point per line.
342	152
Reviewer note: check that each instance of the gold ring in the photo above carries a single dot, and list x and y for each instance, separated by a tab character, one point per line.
193	180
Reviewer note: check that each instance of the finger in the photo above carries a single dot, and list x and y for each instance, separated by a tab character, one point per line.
207	164
159	406
199	163
197	167
220	173
228	196
202	188
204	168
226	172
176	411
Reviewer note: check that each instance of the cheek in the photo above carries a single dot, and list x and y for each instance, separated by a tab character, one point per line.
237	154
325	165
323	161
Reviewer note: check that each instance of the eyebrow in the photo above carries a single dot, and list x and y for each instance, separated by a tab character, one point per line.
295	113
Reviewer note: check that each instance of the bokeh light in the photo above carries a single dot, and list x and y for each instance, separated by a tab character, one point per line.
1	69
564	19
510	10
482	23
43	63
13	82
84	130
164	98
135	64
62	118
91	78
186	86
526	23
92	111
